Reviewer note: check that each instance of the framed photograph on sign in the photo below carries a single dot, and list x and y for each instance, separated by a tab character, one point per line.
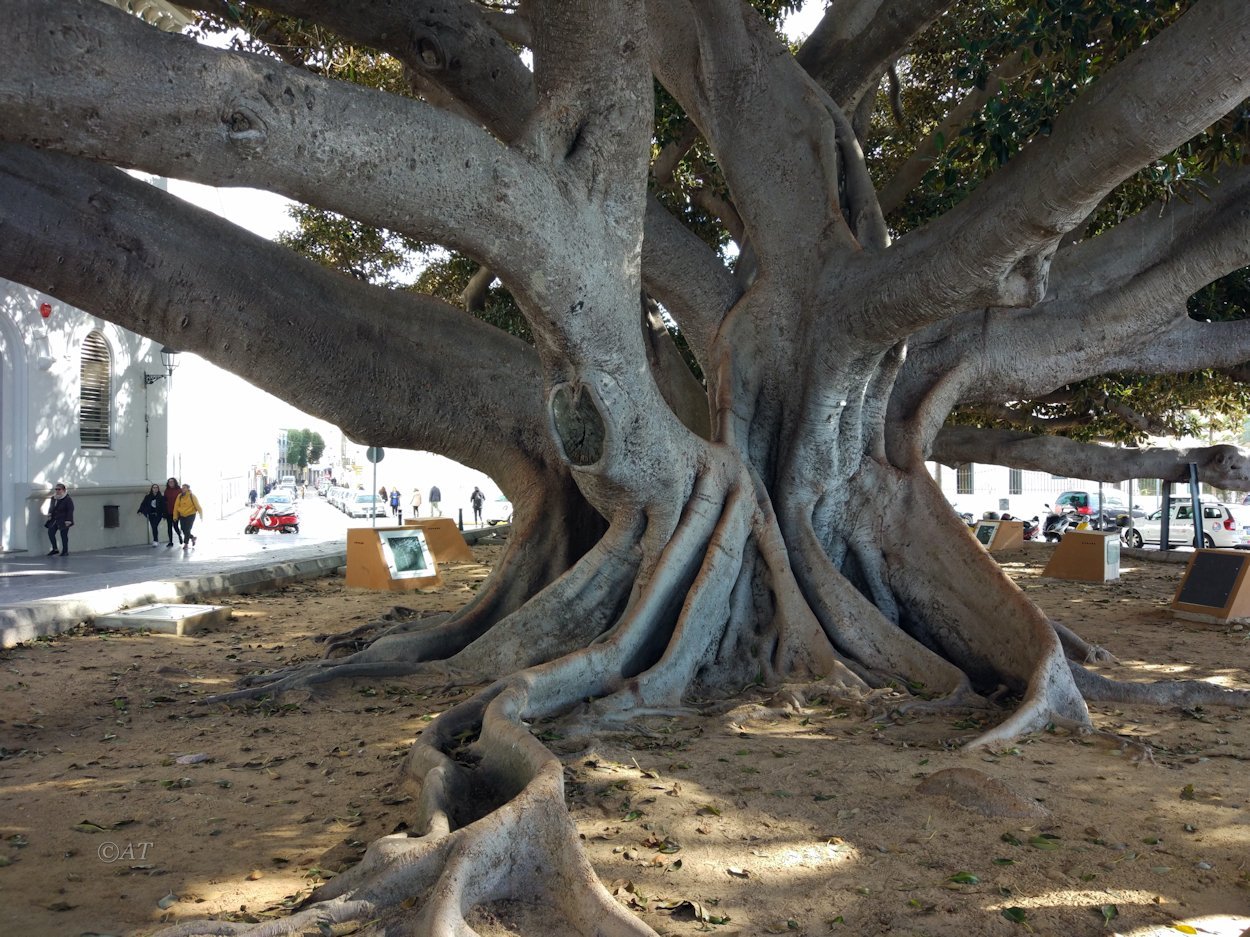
407	554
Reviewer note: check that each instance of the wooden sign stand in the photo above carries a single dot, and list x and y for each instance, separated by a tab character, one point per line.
1213	588
999	535
444	538
395	559
1086	555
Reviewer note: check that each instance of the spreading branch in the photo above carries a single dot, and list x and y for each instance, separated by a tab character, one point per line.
1221	466
224	118
1001	237
847	53
185	277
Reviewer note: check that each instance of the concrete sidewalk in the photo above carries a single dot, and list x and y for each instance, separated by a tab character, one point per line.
42	595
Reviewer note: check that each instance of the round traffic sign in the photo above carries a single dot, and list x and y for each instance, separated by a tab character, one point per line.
374	454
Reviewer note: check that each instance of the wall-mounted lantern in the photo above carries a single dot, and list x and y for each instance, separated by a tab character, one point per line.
169	358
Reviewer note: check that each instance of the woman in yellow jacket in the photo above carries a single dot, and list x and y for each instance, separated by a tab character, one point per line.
186	507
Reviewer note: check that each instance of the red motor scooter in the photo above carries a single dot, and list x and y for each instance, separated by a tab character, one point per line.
270	517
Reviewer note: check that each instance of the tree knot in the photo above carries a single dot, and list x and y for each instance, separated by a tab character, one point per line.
244	127
578	424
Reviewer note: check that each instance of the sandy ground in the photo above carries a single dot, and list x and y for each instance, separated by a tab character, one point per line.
812	824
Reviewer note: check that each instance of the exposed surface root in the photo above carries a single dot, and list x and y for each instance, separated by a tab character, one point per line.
1097	688
468	648
801	699
398	620
1078	649
1137	751
964	699
307	678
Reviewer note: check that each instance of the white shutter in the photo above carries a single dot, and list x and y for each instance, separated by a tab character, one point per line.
95	394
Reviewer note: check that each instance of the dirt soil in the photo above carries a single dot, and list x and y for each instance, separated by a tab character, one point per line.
738	824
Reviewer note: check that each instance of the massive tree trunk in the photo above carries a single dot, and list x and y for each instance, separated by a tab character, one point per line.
675	540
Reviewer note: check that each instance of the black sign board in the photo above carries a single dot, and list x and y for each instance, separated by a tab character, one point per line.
1211	578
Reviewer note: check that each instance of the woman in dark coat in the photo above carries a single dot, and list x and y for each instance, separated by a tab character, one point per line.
172	490
60	520
153	508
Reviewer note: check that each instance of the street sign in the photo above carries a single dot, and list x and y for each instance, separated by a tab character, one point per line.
375	454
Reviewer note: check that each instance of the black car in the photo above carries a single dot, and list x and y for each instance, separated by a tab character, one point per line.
1086	503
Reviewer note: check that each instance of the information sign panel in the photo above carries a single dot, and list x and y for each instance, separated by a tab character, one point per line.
1214	587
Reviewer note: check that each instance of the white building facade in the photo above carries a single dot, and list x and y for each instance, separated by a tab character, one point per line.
81	402
977	488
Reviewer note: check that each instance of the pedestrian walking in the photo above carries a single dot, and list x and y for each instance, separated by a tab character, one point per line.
477	499
153	508
415	503
436	497
172	490
395	509
186	508
60	520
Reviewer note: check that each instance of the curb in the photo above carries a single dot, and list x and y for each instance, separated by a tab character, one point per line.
45	617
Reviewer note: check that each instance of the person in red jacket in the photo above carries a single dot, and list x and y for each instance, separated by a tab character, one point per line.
172	490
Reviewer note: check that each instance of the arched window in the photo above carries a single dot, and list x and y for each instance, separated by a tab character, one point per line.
95	395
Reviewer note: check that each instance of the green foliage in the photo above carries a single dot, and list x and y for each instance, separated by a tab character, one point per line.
1196	404
371	254
1064	46
304	447
446	275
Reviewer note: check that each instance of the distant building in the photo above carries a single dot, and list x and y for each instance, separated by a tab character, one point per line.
976	488
81	402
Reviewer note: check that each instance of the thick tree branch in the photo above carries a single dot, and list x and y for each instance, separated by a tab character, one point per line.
1221	466
855	42
687	277
161	267
453	45
223	118
473	296
1115	303
1189	345
717	60
1000	238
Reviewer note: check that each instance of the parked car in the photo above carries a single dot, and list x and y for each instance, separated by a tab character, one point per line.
497	511
367	504
1223	525
1086	504
280	497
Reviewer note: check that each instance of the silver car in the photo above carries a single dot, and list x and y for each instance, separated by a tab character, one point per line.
1223	525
